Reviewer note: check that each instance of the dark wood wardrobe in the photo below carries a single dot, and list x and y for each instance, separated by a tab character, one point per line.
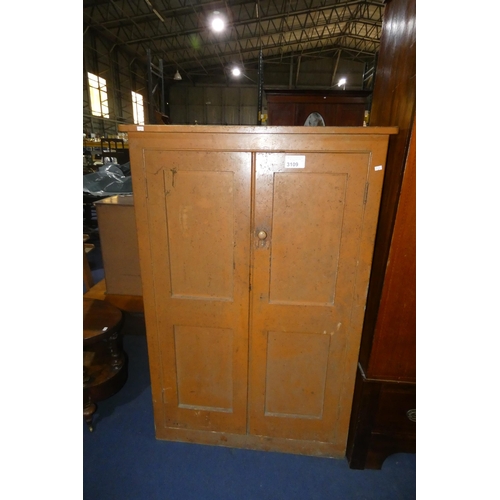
338	108
383	419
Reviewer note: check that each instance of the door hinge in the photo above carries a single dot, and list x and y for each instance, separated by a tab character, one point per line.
367	185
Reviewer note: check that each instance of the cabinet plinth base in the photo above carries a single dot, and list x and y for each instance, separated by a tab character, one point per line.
252	442
383	421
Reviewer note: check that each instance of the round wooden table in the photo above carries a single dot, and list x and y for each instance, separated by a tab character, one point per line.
104	361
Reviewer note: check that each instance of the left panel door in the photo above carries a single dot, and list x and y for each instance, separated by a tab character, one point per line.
199	227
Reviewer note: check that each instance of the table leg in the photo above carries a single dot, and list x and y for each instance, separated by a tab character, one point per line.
117	357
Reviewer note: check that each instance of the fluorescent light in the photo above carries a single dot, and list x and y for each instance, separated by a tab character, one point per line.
158	15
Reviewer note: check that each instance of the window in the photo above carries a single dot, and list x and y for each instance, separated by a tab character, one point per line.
138	107
98	96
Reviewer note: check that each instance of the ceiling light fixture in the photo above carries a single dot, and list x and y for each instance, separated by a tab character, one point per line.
342	82
236	71
158	15
177	76
217	22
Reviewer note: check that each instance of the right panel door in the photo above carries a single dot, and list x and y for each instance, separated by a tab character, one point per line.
307	241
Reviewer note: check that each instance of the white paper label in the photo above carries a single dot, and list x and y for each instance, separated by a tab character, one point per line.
378	167
295	161
140	129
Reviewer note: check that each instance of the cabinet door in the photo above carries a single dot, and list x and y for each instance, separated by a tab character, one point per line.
199	229
308	248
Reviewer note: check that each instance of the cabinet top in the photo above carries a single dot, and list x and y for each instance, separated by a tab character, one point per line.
260	129
315	92
118	199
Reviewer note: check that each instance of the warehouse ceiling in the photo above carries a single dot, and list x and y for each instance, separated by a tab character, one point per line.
177	35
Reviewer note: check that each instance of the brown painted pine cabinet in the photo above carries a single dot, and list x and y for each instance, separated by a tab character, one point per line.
255	246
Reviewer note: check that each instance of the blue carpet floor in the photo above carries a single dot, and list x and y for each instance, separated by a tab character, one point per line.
122	459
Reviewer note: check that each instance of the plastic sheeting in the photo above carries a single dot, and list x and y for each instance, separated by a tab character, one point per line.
110	179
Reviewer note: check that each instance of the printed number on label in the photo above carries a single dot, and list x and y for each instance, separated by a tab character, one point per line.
295	161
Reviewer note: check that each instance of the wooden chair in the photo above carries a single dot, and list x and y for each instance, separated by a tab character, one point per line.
105	364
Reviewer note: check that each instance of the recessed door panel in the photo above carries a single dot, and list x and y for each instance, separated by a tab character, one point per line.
204	358
200	234
305	257
296	374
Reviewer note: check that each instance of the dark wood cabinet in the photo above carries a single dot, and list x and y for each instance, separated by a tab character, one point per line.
384	410
344	108
383	419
